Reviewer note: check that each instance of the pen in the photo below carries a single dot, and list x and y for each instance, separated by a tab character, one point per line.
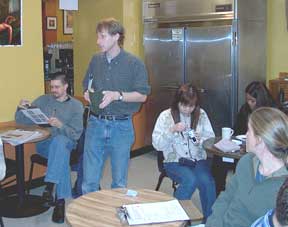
54	113
125	211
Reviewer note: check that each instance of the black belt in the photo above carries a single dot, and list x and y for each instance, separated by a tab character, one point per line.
111	117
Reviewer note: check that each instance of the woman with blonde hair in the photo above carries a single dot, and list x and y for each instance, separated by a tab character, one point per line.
259	174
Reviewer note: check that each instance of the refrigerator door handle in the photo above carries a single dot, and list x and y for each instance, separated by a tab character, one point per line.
201	90
170	87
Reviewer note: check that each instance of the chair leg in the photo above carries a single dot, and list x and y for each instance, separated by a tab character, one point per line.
1	222
30	177
160	179
174	184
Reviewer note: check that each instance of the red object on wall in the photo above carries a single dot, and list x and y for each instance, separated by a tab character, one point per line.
48	9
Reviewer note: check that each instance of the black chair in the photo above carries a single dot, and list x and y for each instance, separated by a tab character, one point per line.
74	156
160	159
10	171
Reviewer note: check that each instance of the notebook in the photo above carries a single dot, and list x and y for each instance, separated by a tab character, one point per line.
95	100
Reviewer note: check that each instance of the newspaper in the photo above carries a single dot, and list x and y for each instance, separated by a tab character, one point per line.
18	136
35	115
158	212
2	162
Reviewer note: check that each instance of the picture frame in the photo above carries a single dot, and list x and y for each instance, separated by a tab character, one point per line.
51	23
11	24
67	22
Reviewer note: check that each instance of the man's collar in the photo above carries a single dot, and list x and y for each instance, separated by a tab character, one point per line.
66	99
114	58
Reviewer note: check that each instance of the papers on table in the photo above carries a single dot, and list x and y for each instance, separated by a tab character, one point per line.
18	136
226	145
158	212
36	115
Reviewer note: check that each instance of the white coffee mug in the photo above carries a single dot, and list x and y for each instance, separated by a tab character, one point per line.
227	133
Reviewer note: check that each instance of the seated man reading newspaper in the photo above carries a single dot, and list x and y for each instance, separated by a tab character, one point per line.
65	116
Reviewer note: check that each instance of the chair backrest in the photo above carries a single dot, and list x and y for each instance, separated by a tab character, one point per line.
78	151
160	159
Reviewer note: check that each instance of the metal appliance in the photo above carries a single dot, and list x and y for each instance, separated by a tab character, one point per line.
218	45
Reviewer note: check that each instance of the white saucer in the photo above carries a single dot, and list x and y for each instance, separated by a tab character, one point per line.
241	137
238	142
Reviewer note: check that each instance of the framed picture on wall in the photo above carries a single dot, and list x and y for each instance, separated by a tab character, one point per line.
11	23
67	22
51	23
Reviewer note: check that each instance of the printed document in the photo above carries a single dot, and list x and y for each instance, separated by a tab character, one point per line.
36	115
158	212
18	136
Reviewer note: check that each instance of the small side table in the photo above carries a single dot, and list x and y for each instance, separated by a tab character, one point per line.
22	205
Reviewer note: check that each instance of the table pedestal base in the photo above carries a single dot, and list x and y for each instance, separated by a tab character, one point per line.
32	205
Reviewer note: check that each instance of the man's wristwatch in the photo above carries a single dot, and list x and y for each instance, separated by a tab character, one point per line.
121	96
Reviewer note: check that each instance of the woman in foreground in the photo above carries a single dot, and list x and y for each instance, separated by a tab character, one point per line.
259	174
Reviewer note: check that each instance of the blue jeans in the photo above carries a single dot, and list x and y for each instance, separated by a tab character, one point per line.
191	178
103	138
57	150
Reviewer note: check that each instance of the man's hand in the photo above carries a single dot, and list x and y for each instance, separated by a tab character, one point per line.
86	96
109	96
179	127
53	121
24	104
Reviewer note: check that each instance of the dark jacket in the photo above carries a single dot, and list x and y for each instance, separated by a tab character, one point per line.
241	124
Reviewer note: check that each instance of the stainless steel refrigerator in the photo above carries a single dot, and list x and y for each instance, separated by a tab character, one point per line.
218	45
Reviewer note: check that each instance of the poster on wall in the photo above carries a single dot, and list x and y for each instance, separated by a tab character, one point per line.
67	22
10	23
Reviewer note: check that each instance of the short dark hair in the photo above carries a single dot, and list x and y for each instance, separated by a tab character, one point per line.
281	211
188	95
59	76
113	27
260	92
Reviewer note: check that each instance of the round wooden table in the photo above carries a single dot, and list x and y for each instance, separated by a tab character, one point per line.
99	208
222	161
208	145
22	205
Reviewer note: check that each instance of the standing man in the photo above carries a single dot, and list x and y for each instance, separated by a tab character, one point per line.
122	80
66	120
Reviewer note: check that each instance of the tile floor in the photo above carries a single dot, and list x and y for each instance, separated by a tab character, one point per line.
143	167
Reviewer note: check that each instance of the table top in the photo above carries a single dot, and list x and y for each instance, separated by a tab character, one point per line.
208	145
44	131
99	208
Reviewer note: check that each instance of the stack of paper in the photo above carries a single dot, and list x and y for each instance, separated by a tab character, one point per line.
226	145
18	136
158	212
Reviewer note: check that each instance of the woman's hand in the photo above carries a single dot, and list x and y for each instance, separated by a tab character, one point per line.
198	138
179	127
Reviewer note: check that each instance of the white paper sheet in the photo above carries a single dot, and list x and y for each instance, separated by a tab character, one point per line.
158	212
2	161
36	115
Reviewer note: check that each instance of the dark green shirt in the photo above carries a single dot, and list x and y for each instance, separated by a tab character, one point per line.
124	73
245	199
